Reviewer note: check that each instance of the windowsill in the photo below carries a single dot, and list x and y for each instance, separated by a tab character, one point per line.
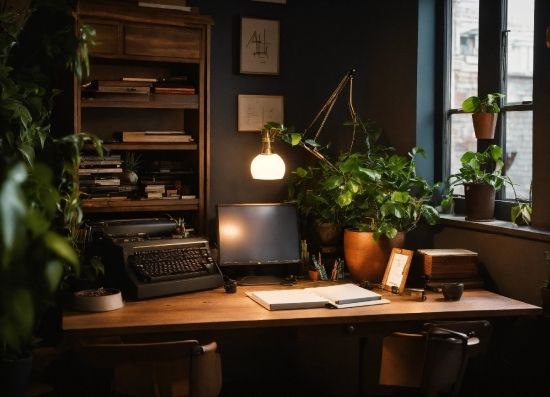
496	227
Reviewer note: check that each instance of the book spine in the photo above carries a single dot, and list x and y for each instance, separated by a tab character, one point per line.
166	6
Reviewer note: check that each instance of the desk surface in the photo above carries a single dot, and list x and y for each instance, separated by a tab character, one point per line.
217	310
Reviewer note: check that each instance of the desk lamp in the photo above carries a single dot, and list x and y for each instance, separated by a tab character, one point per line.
269	166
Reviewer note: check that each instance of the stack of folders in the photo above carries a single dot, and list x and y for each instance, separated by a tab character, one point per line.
335	296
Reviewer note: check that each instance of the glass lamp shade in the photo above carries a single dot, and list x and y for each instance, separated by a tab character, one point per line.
268	167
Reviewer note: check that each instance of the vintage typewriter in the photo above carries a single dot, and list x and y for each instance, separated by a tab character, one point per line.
143	260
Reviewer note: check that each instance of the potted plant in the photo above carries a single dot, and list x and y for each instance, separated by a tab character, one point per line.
39	208
130	165
447	202
481	175
375	192
521	211
484	114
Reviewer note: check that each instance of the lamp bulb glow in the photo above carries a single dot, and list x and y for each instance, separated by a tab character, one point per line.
268	167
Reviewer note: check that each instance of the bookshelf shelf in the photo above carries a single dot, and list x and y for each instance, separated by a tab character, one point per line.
148	43
101	206
190	103
149	146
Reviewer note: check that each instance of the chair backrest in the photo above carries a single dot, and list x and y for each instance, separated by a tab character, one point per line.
173	369
478	328
432	360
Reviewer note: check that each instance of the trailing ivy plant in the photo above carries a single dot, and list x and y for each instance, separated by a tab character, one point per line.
39	204
374	190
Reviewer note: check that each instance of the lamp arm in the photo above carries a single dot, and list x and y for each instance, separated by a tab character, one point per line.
330	103
319	156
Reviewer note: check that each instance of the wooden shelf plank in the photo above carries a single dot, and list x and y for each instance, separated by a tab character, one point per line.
90	103
145	146
97	205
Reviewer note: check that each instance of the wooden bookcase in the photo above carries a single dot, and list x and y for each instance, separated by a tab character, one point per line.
144	42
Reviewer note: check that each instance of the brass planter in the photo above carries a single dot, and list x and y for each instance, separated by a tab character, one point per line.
367	259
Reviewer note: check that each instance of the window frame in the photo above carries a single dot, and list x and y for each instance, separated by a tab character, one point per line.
491	57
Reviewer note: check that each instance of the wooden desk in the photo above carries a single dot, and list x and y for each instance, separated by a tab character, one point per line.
316	337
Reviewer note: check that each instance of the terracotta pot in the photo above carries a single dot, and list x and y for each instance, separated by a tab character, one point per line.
367	259
484	125
480	202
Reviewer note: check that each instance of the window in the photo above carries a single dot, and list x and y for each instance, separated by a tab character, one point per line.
476	66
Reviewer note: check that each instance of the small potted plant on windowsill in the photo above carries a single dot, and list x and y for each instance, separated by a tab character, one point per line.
484	114
481	175
447	202
521	211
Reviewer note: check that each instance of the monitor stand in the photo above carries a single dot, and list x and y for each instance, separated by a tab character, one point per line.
261	280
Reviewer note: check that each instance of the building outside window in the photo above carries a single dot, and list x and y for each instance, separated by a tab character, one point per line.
515	70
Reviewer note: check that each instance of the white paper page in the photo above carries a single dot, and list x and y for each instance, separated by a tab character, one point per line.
396	271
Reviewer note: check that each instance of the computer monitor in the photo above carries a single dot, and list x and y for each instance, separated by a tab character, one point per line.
264	238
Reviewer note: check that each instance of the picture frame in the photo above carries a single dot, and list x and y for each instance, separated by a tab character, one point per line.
256	110
397	270
259	47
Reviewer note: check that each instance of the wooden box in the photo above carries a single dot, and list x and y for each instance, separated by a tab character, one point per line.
448	263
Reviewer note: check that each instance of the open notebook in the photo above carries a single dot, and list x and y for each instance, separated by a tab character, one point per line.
334	296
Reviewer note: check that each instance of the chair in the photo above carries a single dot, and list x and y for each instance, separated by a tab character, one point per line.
435	359
171	369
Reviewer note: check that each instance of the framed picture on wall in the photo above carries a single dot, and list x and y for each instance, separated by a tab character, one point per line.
259	46
256	110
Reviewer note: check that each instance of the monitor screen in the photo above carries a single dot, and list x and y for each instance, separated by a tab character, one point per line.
258	234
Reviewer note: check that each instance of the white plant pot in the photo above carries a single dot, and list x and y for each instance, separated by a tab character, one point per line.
98	300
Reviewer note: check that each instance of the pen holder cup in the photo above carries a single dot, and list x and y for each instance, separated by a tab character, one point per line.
452	291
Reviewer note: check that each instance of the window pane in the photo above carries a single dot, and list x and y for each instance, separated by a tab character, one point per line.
519	74
464	50
519	152
462	140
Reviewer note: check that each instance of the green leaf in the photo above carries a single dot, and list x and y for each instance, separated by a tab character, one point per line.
344	198
430	214
61	248
53	272
312	143
401	197
295	139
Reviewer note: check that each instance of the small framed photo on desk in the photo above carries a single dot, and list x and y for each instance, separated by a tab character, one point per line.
397	270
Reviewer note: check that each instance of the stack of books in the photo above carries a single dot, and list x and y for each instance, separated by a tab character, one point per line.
118	90
443	266
95	165
168	174
155	191
168	4
99	179
173	85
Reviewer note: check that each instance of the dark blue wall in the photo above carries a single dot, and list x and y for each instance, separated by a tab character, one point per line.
320	42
